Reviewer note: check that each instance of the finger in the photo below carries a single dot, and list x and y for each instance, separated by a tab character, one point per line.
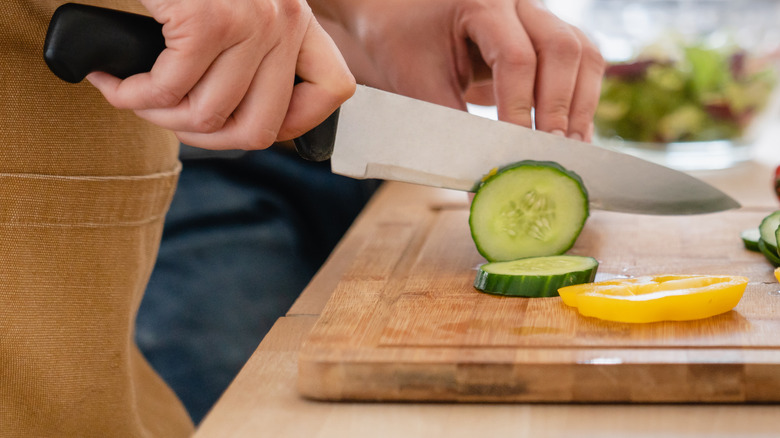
174	73
327	83
209	104
587	90
104	82
558	51
481	94
256	121
480	88
507	50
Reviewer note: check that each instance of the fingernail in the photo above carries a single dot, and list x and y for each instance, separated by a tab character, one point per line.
575	136
558	132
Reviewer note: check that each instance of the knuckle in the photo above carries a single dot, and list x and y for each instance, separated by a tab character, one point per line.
219	28
475	11
260	138
518	58
266	12
581	115
555	117
164	97
518	113
344	88
557	109
292	9
592	57
269	13
290	133
224	26
208	122
564	43
339	88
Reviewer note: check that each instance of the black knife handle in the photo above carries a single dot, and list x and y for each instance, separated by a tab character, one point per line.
82	39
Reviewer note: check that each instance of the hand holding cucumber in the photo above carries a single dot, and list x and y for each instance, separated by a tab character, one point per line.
225	79
443	51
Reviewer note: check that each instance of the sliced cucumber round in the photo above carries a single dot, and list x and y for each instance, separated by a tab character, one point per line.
767	230
530	208
769	253
535	276
750	238
777	239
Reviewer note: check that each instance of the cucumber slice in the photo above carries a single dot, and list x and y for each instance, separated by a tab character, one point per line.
535	276
777	239
528	209
767	230
769	253
750	238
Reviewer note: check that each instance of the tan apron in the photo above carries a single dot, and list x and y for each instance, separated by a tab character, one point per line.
83	192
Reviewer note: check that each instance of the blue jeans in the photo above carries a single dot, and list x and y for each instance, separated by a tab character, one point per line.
242	239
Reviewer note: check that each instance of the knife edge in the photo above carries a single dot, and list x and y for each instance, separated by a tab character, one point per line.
398	173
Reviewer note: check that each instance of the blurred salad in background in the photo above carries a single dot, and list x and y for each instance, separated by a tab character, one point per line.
688	93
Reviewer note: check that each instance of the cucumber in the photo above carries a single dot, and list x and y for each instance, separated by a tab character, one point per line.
750	238
528	209
535	276
769	253
767	230
777	239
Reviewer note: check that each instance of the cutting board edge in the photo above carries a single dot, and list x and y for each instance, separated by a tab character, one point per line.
704	379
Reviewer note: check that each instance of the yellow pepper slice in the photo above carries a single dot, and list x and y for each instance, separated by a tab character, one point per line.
656	298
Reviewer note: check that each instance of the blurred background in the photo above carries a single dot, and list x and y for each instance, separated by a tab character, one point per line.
690	84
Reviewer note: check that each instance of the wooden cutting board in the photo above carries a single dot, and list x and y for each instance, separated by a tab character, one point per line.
405	323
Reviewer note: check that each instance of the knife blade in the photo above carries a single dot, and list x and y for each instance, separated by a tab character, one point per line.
387	136
376	134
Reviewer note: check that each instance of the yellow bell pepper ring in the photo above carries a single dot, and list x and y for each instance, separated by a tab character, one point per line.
656	298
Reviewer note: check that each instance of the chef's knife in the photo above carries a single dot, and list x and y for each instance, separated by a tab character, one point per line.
386	136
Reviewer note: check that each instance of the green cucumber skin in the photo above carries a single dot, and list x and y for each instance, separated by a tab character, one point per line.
769	253
540	163
767	229
521	252
532	286
750	238
777	239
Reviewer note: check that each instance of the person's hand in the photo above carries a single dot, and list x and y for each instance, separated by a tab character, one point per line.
515	54
225	79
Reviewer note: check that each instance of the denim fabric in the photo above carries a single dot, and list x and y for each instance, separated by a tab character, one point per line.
242	239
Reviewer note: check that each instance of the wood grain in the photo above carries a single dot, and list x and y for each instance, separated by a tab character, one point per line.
405	323
262	401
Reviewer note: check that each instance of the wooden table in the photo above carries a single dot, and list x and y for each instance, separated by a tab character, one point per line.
263	400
